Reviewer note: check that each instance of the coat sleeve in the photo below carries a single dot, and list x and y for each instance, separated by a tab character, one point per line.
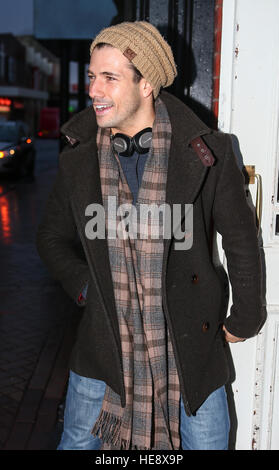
235	221
57	242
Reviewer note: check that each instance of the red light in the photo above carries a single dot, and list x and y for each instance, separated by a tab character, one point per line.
5	219
28	141
5	102
40	134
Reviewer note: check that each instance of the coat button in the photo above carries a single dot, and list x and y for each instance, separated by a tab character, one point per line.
205	327
195	279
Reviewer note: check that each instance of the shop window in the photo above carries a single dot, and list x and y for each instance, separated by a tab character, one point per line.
11	70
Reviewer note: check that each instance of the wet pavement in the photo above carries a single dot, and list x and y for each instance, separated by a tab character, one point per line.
37	319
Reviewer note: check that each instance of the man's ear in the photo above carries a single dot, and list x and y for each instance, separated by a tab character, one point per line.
146	88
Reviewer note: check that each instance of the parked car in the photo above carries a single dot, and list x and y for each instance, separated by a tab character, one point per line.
17	151
49	127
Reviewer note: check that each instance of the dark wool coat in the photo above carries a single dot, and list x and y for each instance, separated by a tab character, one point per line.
195	286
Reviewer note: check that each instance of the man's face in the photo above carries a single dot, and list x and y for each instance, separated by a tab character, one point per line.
115	96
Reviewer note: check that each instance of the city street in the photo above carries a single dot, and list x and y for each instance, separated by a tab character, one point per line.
37	319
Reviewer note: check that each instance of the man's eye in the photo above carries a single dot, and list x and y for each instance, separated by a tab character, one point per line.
111	79
90	77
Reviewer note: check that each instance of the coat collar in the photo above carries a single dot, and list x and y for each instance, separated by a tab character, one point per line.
185	168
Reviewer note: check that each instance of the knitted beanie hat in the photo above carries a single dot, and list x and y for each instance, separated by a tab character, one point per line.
143	45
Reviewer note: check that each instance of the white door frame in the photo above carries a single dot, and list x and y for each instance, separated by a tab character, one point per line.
249	109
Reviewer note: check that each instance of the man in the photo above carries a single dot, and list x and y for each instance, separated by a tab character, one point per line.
149	364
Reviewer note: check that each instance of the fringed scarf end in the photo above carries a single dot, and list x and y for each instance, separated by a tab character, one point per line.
107	428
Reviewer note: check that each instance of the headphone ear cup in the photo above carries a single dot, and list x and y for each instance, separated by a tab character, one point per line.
122	144
142	140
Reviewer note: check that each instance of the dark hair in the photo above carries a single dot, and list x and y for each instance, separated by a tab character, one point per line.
137	76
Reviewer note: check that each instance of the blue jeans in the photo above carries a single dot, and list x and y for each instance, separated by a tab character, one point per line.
207	430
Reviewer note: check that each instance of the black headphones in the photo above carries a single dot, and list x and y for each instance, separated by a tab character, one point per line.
125	146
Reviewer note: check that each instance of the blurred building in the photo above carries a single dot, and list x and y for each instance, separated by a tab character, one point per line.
29	76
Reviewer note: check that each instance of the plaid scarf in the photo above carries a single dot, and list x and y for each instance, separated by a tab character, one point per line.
150	419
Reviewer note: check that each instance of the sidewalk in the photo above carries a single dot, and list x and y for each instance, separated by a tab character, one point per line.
37	325
34	422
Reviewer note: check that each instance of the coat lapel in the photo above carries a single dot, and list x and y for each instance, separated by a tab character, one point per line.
185	175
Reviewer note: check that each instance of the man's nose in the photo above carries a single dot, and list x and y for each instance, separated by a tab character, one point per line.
95	89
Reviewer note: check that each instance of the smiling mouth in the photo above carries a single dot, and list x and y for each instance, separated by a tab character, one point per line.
101	109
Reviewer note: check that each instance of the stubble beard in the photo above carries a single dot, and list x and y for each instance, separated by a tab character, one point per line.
124	119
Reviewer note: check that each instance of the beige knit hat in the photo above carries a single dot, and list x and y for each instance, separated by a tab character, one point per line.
144	46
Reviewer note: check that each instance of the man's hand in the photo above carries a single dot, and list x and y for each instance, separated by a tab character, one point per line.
231	338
